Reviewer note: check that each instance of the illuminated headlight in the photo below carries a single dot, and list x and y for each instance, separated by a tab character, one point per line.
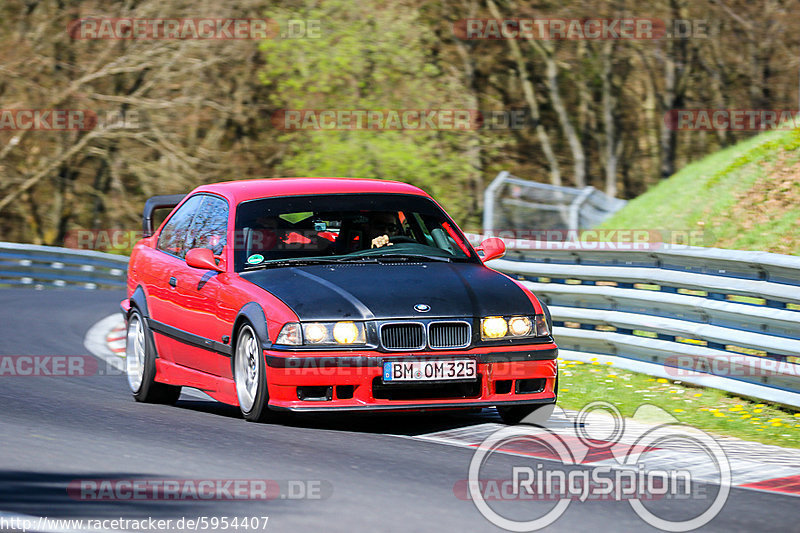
348	333
316	333
322	334
519	326
515	327
494	327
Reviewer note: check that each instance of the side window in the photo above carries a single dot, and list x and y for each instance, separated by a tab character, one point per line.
173	237
209	229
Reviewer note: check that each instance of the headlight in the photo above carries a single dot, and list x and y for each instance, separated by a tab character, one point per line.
515	327
315	333
322	334
494	327
346	333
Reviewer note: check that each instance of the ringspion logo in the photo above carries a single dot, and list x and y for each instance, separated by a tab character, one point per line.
624	466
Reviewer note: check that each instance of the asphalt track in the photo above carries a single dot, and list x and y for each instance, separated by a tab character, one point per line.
54	430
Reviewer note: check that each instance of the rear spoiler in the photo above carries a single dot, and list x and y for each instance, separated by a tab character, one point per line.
157	202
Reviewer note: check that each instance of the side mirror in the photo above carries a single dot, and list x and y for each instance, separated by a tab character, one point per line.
202	258
491	248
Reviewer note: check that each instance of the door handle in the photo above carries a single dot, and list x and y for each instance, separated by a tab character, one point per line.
173	282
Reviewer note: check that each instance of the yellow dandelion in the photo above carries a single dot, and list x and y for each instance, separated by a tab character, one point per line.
678	410
776	424
698	394
757	410
662	380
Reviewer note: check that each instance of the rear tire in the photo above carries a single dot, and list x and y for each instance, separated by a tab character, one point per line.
140	365
250	377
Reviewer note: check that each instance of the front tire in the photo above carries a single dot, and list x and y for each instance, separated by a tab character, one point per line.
140	365
249	375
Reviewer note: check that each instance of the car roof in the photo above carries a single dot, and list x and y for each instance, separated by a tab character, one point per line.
242	190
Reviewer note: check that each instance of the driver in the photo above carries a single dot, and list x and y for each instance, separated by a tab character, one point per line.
381	227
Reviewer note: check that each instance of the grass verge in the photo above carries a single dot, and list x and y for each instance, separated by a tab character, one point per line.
711	410
745	197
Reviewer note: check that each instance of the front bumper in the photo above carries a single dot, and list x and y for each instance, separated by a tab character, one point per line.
519	375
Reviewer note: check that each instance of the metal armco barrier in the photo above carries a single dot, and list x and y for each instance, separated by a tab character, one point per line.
721	318
47	266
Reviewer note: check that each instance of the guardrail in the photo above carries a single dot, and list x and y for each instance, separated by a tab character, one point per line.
721	318
48	266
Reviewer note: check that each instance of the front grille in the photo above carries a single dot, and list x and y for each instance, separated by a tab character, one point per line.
449	335
403	336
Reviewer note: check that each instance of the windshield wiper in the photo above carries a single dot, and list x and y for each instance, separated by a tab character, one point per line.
295	261
356	259
414	257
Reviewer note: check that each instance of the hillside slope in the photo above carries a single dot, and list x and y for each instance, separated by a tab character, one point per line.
745	197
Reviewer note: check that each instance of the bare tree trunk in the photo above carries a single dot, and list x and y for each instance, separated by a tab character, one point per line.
473	150
575	146
530	98
609	108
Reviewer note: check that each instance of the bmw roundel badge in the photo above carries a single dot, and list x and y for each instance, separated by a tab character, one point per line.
422	308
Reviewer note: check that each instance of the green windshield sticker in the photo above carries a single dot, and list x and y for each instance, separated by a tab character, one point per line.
294	218
255	259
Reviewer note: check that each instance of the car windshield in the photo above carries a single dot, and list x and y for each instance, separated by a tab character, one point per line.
274	232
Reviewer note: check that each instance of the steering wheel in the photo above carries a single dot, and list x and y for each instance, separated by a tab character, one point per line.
401	238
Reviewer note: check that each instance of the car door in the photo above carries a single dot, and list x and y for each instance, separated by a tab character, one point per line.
171	250
193	302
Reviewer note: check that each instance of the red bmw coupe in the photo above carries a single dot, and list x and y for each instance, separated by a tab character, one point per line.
330	294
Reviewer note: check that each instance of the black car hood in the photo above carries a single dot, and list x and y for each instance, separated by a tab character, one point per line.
378	291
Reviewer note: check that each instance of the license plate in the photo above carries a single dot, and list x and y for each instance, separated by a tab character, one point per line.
430	370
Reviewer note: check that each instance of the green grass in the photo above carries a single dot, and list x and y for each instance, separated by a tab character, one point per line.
744	197
711	410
